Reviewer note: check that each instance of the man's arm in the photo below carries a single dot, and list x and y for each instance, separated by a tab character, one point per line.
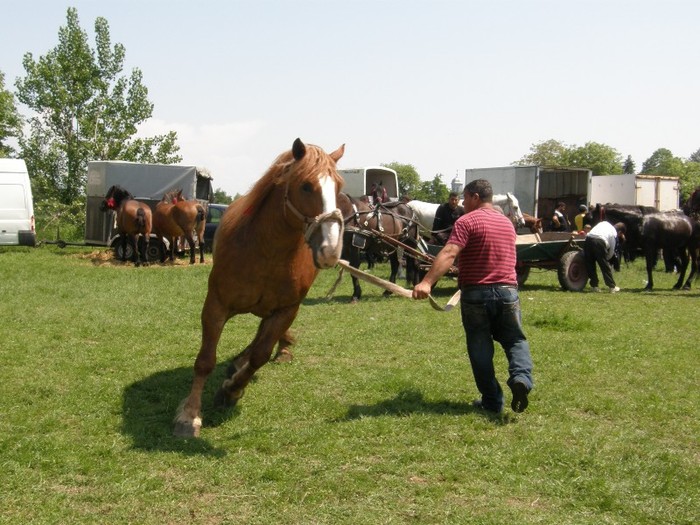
440	266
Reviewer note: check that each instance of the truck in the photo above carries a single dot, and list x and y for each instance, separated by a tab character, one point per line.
147	183
539	188
661	192
17	224
359	181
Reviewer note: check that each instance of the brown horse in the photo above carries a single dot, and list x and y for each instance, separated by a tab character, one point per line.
270	245
533	223
177	217
365	226
133	219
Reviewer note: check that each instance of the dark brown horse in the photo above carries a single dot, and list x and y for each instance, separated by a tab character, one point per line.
177	217
133	219
365	229
270	245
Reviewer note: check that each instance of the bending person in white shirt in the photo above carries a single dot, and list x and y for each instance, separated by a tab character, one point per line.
599	248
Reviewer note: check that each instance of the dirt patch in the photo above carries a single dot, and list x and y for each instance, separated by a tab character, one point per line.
106	257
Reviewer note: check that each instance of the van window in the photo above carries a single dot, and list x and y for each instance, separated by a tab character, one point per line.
12	198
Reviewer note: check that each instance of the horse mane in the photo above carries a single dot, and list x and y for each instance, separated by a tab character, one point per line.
314	161
169	196
119	194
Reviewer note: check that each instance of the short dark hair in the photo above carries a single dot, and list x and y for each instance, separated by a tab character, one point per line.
560	204
620	226
481	187
454	194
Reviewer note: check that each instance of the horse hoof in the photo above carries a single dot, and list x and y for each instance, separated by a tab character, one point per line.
224	400
187	429
283	356
387	293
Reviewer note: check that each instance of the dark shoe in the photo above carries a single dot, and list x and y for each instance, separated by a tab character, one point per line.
520	391
478	404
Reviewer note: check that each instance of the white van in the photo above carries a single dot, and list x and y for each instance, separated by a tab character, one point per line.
16	204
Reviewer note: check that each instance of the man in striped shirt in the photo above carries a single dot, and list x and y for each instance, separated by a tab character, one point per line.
484	240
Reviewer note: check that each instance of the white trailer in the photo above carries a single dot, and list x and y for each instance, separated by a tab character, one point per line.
358	181
662	193
539	188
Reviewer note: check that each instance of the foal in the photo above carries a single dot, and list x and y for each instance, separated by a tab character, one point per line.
133	219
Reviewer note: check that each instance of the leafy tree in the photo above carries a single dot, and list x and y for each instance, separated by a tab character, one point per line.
546	153
409	180
629	166
695	156
599	158
662	162
434	190
84	110
221	197
10	119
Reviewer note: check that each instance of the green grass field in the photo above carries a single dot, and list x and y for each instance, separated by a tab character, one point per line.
371	423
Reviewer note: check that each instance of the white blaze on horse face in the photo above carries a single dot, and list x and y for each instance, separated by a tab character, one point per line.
329	250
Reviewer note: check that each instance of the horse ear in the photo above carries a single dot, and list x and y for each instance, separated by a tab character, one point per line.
298	149
337	154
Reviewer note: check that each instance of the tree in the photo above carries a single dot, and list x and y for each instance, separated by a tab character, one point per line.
434	190
84	111
546	153
409	180
599	158
695	156
10	119
629	167
221	197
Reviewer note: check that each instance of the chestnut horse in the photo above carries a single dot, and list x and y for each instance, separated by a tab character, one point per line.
133	219
270	245
177	217
534	224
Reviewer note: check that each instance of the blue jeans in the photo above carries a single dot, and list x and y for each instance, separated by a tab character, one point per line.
492	313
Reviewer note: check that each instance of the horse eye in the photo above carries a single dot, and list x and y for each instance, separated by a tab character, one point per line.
307	187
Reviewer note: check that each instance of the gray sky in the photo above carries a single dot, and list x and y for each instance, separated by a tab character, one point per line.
442	85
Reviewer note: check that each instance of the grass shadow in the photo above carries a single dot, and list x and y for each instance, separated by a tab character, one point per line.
413	402
149	406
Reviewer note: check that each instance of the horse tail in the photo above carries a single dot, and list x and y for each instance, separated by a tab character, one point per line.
201	215
140	218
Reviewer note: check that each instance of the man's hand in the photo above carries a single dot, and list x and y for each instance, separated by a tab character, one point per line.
421	290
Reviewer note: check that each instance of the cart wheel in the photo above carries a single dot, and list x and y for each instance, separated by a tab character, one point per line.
522	272
572	271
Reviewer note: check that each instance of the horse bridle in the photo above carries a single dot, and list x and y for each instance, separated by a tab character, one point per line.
311	224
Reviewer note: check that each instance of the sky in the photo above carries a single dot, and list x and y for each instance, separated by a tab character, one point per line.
442	85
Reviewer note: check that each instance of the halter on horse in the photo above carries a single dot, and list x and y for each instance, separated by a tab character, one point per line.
270	245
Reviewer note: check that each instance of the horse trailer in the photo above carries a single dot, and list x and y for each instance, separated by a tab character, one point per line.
147	183
662	193
539	188
359	181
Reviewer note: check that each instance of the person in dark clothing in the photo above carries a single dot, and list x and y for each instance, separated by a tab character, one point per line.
560	222
445	217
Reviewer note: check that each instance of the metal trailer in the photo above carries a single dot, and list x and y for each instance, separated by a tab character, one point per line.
662	193
539	188
358	181
147	183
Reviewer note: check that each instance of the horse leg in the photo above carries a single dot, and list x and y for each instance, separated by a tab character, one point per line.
190	243
284	354
146	239
394	263
650	260
124	241
683	255
694	262
134	240
355	263
188	419
271	330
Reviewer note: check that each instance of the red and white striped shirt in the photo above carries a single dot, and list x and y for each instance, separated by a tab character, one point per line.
487	239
